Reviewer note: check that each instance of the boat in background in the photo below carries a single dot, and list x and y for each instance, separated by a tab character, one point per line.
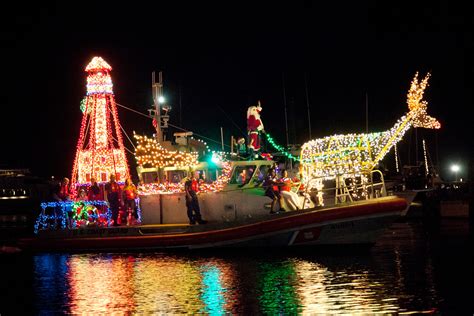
20	196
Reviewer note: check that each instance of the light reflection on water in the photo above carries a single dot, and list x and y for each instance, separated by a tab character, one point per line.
394	277
148	284
179	284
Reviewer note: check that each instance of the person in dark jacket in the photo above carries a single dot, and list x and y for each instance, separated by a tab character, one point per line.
192	203
113	196
94	193
270	184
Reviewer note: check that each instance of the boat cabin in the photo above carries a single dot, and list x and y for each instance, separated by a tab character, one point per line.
207	171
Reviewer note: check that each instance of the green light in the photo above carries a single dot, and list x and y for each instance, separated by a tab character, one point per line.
83	105
280	148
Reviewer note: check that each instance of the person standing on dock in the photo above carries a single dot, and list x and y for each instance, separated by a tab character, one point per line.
192	203
112	190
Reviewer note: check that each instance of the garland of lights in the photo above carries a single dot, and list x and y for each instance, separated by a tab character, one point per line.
167	188
219	184
44	220
150	153
354	155
279	148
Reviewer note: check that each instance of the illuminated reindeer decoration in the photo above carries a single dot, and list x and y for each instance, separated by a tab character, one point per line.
352	155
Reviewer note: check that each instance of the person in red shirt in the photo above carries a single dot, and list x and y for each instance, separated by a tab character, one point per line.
62	192
195	184
129	194
291	198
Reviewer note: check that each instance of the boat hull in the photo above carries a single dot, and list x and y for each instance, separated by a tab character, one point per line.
355	224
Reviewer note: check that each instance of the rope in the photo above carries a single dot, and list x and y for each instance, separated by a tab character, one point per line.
127	136
230	119
124	146
123	106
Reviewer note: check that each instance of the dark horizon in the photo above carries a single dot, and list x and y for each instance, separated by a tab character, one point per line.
223	59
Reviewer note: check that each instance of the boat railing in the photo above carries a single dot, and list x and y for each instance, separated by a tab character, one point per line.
352	188
365	189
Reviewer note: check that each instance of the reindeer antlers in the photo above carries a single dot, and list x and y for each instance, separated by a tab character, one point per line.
418	106
415	94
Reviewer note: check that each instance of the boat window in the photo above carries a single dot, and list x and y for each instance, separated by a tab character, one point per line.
149	177
175	176
242	174
261	173
213	174
208	176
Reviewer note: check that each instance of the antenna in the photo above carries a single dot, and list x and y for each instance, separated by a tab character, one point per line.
155	112
307	105
366	113
159	121
286	115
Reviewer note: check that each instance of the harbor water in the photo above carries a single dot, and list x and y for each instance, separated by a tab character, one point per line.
416	267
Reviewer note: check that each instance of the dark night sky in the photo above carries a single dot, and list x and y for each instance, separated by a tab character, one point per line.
225	57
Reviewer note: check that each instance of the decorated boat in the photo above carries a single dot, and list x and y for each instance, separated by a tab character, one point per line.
338	195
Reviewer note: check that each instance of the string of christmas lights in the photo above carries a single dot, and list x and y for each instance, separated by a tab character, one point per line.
426	158
396	159
279	148
220	182
149	153
169	188
58	214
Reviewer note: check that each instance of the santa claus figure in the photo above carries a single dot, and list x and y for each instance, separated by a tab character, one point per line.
254	128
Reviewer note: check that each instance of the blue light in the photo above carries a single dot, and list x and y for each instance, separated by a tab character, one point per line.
212	292
60	214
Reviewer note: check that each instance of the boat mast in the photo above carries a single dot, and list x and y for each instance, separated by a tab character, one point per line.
366	113
157	89
307	105
286	115
416	146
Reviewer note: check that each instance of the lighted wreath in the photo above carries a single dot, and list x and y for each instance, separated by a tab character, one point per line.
84	214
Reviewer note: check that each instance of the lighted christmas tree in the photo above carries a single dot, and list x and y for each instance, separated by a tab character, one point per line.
100	151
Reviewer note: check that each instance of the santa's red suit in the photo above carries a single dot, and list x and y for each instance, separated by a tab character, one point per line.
254	126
